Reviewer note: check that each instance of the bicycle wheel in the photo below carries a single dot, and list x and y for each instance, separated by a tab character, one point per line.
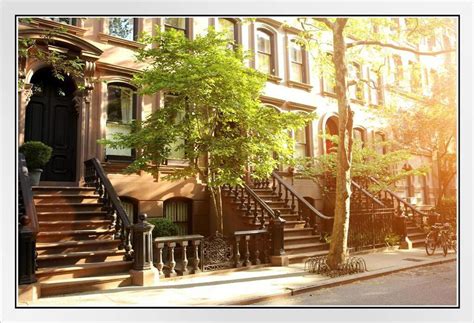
430	243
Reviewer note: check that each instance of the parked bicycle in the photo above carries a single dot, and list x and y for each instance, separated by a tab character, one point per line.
440	235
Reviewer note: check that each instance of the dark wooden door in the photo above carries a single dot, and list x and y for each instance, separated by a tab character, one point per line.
52	119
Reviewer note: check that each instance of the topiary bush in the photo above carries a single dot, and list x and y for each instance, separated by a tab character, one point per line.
163	227
37	154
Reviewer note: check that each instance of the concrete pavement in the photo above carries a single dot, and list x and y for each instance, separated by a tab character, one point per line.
245	287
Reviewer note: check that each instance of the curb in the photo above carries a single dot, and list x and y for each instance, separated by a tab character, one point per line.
337	282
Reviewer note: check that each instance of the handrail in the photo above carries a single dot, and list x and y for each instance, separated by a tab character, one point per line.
113	197
261	202
399	199
27	197
299	198
95	176
367	194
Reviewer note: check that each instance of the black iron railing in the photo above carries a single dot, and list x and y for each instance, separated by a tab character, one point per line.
95	177
28	226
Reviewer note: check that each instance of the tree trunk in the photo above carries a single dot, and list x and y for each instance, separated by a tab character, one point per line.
338	248
217	205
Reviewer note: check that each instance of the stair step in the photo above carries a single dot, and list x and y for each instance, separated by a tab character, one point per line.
65	198
44	248
60	190
79	257
82	270
70	215
289	241
293	232
67	235
84	284
74	225
69	207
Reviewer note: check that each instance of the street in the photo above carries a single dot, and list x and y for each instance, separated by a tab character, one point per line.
431	285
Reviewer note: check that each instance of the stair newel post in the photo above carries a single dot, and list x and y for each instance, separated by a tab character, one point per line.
247	251
278	225
238	263
27	253
142	244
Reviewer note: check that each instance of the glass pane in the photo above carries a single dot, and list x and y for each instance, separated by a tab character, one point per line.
264	43
69	21
228	27
300	150
121	27
176	23
119	104
296	54
297	72
300	136
263	61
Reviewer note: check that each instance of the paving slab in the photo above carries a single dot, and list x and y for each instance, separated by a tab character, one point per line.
245	287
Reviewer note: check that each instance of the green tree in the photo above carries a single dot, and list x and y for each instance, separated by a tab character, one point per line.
361	39
213	114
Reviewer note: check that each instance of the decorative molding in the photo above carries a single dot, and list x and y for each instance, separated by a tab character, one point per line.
300	106
274	79
120	41
300	85
27	93
277	102
46	23
117	69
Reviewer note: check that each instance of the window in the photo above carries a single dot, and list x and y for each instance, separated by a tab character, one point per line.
64	20
359	135
355	72
395	25
229	27
177	150
329	76
415	77
376	94
379	138
433	80
398	65
179	24
121	110
297	68
179	210
301	142
130	205
125	28
332	129
265	53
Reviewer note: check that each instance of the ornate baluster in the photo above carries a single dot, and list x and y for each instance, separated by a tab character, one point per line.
238	263
196	262
286	196
184	244
247	251
172	262
160	264
279	190
255	212
262	219
257	239
293	204
249	205
273	185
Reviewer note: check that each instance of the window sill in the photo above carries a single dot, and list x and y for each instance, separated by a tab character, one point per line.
120	41
329	94
299	85
39	22
358	101
274	79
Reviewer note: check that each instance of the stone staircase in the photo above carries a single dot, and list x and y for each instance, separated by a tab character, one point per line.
76	247
415	234
300	242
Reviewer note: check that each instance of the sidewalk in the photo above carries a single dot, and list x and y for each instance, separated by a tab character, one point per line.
243	287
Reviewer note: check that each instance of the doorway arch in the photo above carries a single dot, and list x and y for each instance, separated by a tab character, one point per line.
52	118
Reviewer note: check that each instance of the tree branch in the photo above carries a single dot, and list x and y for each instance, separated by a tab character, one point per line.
403	48
325	21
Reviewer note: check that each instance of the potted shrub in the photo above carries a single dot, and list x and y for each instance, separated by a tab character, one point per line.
37	154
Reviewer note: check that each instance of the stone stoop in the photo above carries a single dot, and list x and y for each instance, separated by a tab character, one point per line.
76	245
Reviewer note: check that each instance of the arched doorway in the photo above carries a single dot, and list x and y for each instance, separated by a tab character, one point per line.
51	118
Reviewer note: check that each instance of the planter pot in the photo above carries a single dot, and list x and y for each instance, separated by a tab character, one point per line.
35	175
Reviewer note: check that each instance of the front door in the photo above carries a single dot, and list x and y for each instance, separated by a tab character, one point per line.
52	119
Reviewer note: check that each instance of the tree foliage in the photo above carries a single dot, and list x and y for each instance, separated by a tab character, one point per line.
212	113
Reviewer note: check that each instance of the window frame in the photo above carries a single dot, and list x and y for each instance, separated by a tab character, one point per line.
236	24
273	52
359	88
325	90
398	69
384	138
189	203
187	26
74	20
134	117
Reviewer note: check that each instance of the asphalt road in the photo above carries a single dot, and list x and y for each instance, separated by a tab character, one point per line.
432	285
